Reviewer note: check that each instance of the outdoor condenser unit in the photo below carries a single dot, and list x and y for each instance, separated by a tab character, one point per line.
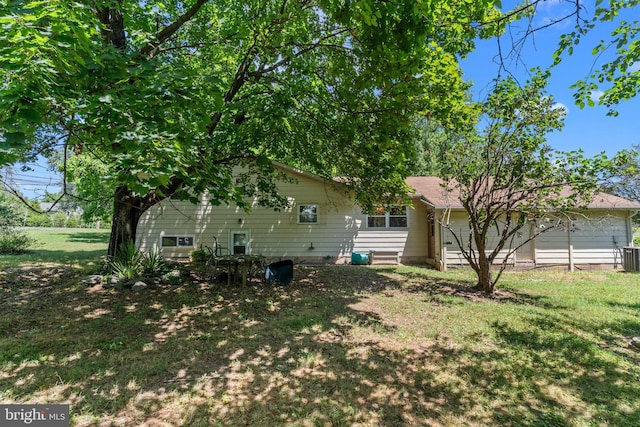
631	258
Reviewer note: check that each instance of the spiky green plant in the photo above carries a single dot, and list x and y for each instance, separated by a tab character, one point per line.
153	263
128	262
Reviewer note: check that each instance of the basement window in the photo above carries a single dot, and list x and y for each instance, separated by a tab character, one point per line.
177	241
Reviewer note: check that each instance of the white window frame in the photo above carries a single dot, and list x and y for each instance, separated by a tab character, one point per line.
247	245
300	209
178	243
388	216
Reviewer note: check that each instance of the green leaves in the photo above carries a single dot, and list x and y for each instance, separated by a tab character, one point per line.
330	86
40	44
504	172
617	78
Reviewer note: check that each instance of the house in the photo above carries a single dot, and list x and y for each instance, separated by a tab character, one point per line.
323	225
594	238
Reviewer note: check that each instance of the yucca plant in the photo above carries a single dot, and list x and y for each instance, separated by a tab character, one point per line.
128	262
152	263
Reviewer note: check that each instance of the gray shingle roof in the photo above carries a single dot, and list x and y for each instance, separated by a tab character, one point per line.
430	189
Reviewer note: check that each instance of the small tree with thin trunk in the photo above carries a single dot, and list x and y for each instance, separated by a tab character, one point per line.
506	177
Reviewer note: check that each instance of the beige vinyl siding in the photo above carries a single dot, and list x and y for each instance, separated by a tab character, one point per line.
457	222
460	226
410	242
341	227
591	241
595	240
552	247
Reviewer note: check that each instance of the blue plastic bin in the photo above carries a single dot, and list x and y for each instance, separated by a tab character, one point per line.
360	258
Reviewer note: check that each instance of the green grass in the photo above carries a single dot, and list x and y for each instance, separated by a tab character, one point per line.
340	346
61	246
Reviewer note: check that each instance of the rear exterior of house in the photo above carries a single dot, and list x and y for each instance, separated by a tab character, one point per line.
593	240
321	225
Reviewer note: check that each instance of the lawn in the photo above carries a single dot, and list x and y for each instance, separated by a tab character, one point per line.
349	345
78	248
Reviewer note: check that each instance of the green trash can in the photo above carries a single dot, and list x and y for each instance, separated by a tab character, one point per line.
360	258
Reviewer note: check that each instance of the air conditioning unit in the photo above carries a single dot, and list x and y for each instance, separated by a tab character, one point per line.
631	258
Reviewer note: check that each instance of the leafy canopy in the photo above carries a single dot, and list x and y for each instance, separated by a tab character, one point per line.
616	70
170	95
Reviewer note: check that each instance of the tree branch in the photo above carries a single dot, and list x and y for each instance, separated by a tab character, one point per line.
151	49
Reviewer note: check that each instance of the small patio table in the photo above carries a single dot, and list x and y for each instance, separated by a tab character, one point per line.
239	263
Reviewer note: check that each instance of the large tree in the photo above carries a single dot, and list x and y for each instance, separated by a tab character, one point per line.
432	143
172	95
507	178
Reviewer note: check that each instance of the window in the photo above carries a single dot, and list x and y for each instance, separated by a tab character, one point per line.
240	242
307	214
177	241
388	217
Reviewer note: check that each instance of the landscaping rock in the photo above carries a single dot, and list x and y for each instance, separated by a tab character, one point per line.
634	344
139	286
120	282
95	279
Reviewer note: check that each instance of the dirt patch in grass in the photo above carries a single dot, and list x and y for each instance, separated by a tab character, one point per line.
339	346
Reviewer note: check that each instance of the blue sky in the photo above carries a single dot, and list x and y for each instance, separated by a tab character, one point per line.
590	128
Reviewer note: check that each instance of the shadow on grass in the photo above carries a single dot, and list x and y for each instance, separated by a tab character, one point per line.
204	354
84	259
78	236
44	256
433	287
633	307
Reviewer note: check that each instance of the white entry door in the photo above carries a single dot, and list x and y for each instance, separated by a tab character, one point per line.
525	253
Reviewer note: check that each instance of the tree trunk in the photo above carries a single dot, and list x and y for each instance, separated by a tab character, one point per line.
485	276
127	210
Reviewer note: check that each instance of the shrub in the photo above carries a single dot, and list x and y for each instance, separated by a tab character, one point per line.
12	239
152	263
73	222
38	220
127	262
131	262
199	255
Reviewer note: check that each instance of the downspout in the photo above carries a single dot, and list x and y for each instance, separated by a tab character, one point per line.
534	246
444	257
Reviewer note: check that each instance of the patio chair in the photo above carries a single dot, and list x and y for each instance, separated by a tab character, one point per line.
219	250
